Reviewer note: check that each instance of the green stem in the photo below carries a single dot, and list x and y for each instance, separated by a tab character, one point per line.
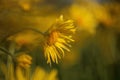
10	75
5	52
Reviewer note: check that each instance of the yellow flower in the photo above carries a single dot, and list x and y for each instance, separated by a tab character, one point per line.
24	60
83	18
57	40
26	38
25	4
42	74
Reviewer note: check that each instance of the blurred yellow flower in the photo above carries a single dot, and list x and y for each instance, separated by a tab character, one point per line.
57	39
84	18
101	13
41	74
25	38
23	60
38	74
25	4
53	75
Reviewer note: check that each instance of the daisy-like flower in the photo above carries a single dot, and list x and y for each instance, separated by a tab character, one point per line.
58	39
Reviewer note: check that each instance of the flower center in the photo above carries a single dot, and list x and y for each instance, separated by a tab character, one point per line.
53	37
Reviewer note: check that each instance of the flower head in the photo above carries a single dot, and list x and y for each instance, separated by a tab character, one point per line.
24	60
42	74
26	38
57	39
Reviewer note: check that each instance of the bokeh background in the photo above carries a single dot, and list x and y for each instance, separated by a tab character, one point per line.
95	54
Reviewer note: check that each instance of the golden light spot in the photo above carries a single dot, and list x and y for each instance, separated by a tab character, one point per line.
25	5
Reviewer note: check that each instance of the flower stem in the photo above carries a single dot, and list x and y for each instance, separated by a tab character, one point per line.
10	64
